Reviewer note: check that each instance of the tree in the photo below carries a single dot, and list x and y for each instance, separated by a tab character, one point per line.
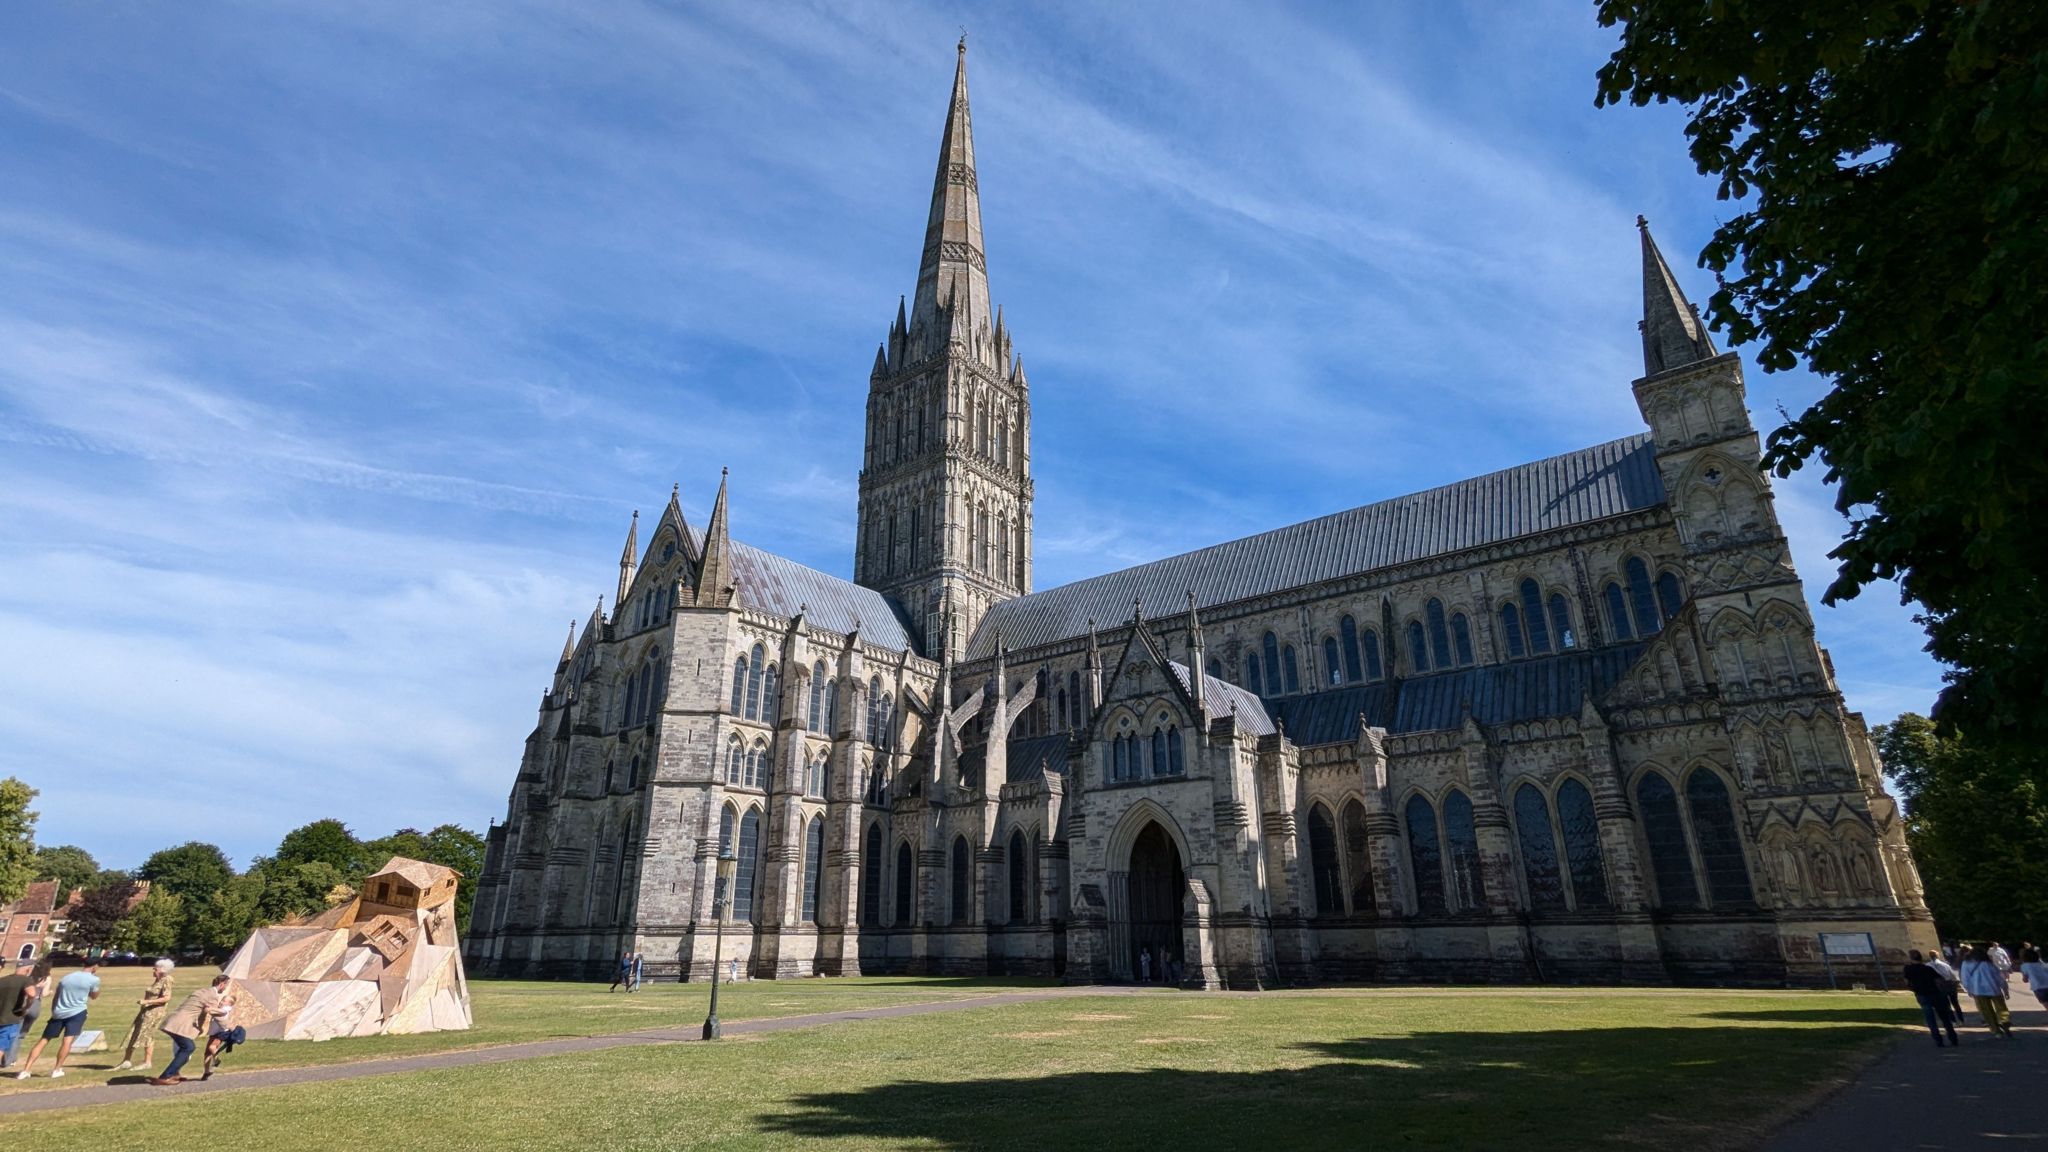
325	841
158	922
101	918
225	916
1891	159
463	850
69	865
192	870
293	890
17	839
1977	820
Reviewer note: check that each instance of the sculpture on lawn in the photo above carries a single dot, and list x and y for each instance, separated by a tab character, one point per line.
387	961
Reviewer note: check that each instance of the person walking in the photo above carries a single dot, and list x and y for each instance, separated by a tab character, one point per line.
2035	973
2000	959
149	1016
67	1017
1986	985
1927	990
187	1025
13	1001
1951	984
633	982
623	973
32	1000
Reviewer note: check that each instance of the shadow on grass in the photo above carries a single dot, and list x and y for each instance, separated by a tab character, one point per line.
1908	1013
1686	1087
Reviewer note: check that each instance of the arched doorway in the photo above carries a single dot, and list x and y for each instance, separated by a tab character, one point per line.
1153	898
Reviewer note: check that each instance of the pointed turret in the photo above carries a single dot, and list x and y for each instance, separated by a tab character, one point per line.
715	574
629	559
953	270
1197	655
1673	335
568	646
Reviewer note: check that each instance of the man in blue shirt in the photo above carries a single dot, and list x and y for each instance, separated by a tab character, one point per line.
67	1017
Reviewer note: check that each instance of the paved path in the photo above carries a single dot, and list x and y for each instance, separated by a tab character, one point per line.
1984	1094
127	1089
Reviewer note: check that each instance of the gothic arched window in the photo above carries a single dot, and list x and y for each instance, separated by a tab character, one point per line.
1617	612
1174	765
1511	631
1539	850
1324	868
814	867
1439	634
1669	597
1358	855
1119	759
1720	844
817	716
757	766
1251	671
1425	856
1369	644
1078	704
1582	844
906	883
1670	863
1418	652
1293	673
771	695
1532	615
871	875
1561	623
754	673
1461	852
1347	635
1333	673
735	761
1461	638
743	869
1159	752
1271	644
963	879
1020	880
1642	597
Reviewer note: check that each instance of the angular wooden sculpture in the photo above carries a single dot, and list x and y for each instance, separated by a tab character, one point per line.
386	961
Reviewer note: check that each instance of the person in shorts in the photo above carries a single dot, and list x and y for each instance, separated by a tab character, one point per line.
67	1017
14	1000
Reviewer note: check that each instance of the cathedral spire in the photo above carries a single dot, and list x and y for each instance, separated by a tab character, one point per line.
568	646
628	559
715	574
952	274
1673	335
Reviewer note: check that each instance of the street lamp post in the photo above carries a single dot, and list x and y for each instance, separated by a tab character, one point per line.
726	863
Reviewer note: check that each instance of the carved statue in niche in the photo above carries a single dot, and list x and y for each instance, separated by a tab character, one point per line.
1780	760
1861	874
1785	860
1905	876
1827	877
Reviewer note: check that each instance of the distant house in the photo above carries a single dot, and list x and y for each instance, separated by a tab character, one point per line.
30	923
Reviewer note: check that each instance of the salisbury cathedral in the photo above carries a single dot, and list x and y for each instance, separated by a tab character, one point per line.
1562	722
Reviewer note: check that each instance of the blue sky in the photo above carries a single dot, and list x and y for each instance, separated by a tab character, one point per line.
338	342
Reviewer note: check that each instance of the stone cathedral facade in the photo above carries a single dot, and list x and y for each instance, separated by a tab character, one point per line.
1566	721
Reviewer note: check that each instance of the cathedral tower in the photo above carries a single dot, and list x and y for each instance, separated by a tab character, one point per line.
945	485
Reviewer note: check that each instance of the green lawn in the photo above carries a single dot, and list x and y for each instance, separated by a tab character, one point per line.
504	1012
1381	1068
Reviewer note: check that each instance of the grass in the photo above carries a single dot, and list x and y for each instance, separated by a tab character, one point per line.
1526	1069
503	1012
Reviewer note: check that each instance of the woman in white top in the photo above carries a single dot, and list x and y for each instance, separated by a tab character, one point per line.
1986	985
2035	974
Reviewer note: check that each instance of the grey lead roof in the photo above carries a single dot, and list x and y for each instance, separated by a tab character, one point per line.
1590	484
780	586
1223	698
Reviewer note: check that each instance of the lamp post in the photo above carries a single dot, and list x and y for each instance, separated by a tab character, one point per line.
726	863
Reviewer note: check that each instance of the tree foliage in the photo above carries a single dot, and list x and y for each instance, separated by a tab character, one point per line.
1891	161
225	916
158	922
1977	820
70	866
17	839
101	918
326	842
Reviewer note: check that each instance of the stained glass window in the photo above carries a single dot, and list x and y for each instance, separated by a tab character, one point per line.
1665	830
1582	844
1425	857
1539	850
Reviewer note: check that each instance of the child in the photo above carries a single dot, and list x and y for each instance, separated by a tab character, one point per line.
221	1036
